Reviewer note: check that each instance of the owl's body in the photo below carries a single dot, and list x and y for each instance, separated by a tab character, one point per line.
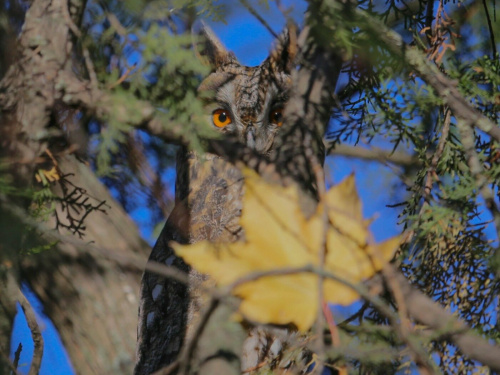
246	103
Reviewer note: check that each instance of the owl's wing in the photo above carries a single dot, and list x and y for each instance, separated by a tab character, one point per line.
208	205
163	304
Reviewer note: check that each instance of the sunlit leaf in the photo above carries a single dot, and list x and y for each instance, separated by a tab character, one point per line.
278	236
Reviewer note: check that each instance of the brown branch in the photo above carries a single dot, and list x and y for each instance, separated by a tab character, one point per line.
136	263
319	175
96	101
17	355
431	171
188	350
437	155
123	77
419	306
36	334
430	73
284	271
375	154
404	328
430	313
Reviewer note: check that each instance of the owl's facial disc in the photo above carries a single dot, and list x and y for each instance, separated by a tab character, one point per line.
250	137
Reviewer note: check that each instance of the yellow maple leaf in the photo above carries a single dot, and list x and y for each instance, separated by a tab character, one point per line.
278	236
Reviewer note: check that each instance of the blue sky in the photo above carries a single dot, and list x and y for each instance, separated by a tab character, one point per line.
251	43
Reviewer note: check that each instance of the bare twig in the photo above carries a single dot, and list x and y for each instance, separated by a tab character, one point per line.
431	171
17	355
146	175
5	358
490	28
170	369
437	155
359	288
188	349
123	77
256	14
320	186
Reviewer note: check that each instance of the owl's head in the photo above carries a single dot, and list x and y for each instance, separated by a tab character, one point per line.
247	102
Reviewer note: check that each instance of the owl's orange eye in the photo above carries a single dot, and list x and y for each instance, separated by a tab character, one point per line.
276	116
221	118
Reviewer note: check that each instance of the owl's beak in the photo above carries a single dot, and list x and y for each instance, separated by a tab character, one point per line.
250	137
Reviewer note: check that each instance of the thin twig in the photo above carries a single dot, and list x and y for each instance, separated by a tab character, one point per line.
256	14
17	355
477	171
5	358
490	28
123	77
168	370
431	171
320	186
332	327
359	288
90	68
69	21
430	313
189	348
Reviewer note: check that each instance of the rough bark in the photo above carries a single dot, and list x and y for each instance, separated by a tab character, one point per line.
93	303
7	315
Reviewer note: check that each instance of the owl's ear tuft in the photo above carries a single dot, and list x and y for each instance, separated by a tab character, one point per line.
283	55
209	49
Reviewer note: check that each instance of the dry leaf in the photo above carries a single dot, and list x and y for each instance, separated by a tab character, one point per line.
50	175
279	236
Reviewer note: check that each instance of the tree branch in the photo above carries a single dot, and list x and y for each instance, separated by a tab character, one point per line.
428	312
35	333
375	154
136	263
430	73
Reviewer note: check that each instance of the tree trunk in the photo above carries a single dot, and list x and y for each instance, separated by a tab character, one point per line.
92	302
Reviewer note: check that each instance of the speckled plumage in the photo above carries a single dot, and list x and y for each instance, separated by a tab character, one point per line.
208	192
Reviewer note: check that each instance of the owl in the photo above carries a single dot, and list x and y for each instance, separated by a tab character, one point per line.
246	104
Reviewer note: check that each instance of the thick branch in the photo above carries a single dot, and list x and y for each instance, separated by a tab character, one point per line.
428	312
36	334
